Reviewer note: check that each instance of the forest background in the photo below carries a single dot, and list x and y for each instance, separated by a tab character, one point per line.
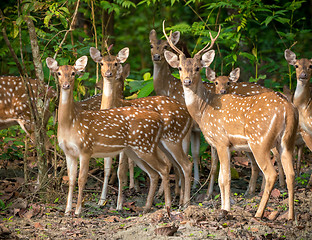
254	36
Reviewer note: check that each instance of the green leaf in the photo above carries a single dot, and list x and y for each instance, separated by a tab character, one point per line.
15	31
247	55
282	20
19	20
147	89
47	18
64	9
147	76
267	20
234	57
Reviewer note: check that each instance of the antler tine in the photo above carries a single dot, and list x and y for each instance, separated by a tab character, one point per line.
170	42
211	43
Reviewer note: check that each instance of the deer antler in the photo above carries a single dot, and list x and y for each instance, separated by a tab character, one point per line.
211	43
170	42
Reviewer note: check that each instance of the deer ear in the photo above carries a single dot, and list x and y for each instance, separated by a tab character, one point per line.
52	64
126	71
234	75
172	59
207	58
210	74
290	57
153	35
81	64
123	54
95	55
99	85
175	37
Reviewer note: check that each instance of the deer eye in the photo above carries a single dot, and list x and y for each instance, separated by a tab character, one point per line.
228	83
151	46
179	68
116	64
59	73
216	83
166	47
73	74
296	66
310	66
101	64
197	69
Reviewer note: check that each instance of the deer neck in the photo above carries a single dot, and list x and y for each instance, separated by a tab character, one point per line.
161	76
66	109
302	94
197	100
108	95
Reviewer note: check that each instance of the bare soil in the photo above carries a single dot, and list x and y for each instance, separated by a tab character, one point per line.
27	214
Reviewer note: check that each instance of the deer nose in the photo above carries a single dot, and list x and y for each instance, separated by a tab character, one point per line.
156	57
303	75
222	91
66	86
108	74
187	82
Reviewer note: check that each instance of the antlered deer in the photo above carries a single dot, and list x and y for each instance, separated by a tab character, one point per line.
229	122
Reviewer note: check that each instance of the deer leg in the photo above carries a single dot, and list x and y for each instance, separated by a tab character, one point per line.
287	161
224	177
254	175
82	179
153	175
281	175
131	173
213	170
72	165
122	178
176	150
175	154
264	161
298	167
107	170
195	145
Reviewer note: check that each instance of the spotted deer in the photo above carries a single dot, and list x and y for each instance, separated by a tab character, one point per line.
255	124
167	85
14	104
94	103
302	97
85	134
177	121
230	85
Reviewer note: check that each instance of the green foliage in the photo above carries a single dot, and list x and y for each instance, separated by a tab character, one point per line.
11	144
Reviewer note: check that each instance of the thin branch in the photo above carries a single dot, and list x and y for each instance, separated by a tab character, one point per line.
70	29
96	43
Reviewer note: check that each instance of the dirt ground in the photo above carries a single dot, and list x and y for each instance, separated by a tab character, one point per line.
30	215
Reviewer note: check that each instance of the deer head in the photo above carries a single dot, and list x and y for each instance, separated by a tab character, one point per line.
110	65
158	46
222	83
189	68
66	74
303	66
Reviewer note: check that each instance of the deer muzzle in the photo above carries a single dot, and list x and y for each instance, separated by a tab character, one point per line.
303	76
108	74
66	86
156	57
187	82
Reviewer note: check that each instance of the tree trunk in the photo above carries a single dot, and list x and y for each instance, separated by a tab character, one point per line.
40	130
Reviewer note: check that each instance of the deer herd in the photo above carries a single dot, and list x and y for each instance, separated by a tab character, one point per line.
156	132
